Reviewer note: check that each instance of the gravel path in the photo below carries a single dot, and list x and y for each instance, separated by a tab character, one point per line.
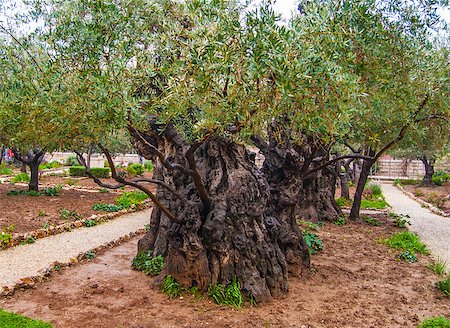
27	260
434	230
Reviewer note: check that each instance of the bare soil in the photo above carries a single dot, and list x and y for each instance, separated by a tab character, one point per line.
433	195
23	211
353	282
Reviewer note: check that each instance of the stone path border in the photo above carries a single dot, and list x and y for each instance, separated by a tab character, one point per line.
431	207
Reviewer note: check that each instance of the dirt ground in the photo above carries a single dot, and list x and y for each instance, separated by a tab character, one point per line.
432	194
354	282
23	211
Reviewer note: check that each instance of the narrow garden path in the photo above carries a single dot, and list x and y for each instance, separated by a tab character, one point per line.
433	229
28	260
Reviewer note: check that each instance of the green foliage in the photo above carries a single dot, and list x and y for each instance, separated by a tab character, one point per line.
50	165
374	204
440	177
49	191
400	220
128	199
146	263
170	287
407	241
444	285
340	221
41	212
342	202
4	170
107	207
436	322
438	267
90	223
52	191
229	295
313	241
308	225
66	214
407	256
99	172
373	221
71	160
21	177
436	199
103	190
12	320
71	182
376	190
148	165
135	169
90	255
6	235
406	182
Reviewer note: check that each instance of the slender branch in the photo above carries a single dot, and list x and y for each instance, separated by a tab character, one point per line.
164	185
119	179
320	167
198	181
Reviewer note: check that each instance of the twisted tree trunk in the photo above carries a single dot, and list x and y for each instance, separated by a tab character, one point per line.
428	163
226	225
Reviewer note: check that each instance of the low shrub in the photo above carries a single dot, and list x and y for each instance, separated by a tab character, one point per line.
170	287
66	214
407	241
71	160
372	221
4	170
8	319
52	191
436	322
107	207
375	189
376	204
406	182
313	241
21	177
128	199
418	193
50	165
80	171
407	256
400	221
342	202
436	199
148	165
440	177
77	171
444	286
135	169
438	267
340	221
6	235
229	295
90	223
144	262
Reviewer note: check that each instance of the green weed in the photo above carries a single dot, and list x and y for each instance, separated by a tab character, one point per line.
373	221
107	207
400	220
128	199
377	204
340	221
444	286
438	267
148	165
4	170
90	223
135	169
407	256
342	202
170	287
146	263
41	213
66	214
90	255
406	241
21	177
229	295
313	242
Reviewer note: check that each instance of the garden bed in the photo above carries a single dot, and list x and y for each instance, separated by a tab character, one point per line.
438	196
354	282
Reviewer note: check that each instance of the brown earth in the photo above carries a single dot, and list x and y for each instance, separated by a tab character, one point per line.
23	211
433	195
354	282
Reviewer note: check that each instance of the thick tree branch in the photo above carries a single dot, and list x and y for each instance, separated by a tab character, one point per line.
324	165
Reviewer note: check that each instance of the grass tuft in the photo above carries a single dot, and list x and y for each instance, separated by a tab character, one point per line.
406	241
11	320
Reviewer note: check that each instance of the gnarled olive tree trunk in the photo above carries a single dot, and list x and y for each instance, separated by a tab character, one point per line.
235	232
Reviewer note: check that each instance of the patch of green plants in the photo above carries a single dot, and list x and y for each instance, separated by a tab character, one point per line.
436	199
407	241
12	320
342	202
4	170
340	221
147	227
71	182
90	255
314	243
52	191
227	295
41	213
44	225
373	221
66	214
418	193
21	177
71	160
103	190
438	267
148	264
107	207
440	177
135	169
444	286
407	256
399	220
128	199
23	192
308	225
435	322
148	165
6	235
50	165
90	223
377	204
406	182
80	171
375	189
171	288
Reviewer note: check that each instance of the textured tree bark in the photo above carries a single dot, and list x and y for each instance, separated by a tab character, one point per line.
429	170
32	159
363	176
237	233
343	180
